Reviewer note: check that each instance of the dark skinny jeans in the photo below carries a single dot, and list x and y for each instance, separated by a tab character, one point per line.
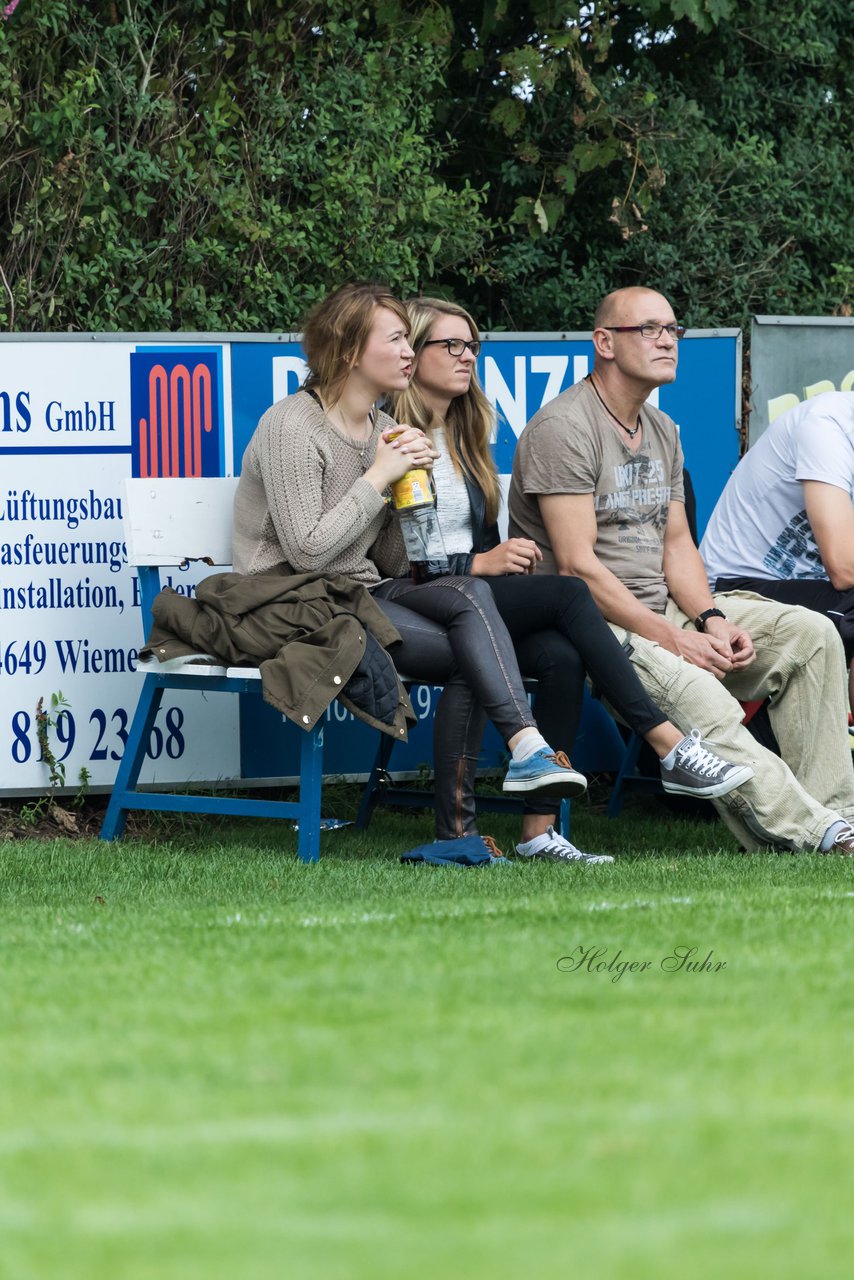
461	632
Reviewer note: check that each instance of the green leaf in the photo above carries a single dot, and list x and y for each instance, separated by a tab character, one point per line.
509	115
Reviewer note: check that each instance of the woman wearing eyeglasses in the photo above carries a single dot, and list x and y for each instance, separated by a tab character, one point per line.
312	497
557	630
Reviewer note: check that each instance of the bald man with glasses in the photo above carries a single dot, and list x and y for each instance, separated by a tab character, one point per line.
598	485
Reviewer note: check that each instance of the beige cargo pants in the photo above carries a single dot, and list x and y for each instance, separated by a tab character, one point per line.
800	667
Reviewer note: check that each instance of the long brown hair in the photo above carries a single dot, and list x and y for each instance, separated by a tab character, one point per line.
470	419
335	333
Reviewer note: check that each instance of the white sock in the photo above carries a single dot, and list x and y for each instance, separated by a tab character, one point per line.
528	744
669	760
538	842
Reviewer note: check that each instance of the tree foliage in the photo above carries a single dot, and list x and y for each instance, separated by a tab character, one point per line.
701	146
215	165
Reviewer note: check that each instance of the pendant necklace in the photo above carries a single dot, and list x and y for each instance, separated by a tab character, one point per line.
361	445
631	432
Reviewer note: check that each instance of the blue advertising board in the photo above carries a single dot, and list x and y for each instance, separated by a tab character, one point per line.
519	373
81	412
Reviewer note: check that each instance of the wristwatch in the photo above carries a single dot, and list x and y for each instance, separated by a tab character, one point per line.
700	623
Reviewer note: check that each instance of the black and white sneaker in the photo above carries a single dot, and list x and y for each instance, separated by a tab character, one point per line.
699	772
559	849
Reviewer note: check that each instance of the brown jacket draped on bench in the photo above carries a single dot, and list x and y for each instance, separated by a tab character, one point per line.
314	638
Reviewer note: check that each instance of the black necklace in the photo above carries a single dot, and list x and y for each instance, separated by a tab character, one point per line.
631	432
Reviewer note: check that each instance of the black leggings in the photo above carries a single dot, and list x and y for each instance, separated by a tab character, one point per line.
482	652
452	635
557	632
546	616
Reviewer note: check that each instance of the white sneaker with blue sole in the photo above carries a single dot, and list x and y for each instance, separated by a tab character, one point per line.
547	773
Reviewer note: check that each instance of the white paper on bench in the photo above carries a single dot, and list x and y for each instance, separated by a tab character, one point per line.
190	664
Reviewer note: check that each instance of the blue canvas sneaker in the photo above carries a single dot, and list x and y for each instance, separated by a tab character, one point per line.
547	773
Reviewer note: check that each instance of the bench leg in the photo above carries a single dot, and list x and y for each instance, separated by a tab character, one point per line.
370	796
133	758
310	786
627	769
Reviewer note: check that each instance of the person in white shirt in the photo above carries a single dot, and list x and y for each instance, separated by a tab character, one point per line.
784	524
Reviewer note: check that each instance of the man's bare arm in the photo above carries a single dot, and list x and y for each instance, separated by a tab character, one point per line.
684	571
685	575
570	522
831	518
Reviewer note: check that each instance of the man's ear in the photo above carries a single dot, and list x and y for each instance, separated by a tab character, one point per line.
603	344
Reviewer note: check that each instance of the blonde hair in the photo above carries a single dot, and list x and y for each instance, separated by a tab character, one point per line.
335	333
470	418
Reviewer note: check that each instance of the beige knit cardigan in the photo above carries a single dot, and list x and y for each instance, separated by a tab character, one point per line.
303	500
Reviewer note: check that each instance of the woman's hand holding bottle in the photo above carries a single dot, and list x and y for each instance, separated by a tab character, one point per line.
408	448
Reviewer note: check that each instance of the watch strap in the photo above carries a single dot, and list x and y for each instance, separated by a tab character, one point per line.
700	622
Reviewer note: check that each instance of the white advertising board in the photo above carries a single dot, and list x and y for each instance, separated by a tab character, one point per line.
80	413
69	604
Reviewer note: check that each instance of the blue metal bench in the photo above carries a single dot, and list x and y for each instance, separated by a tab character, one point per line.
167	523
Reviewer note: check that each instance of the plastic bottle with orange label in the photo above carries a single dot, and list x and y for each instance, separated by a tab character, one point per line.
415	505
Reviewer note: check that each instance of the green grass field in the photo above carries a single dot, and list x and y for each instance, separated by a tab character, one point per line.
217	1062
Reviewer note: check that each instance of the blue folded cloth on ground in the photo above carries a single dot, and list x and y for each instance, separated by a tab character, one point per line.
468	851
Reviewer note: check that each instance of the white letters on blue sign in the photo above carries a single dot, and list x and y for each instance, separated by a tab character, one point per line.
513	404
555	367
288	374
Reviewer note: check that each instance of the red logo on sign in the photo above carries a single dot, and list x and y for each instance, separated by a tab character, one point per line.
180	408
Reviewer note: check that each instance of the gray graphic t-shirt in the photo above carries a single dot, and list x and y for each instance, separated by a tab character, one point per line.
572	446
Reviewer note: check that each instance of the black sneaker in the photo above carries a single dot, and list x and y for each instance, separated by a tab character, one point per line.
699	772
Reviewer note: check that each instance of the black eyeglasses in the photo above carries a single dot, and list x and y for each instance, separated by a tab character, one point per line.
651	332
456	346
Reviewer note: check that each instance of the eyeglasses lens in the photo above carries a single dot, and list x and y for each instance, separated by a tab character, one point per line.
654	331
